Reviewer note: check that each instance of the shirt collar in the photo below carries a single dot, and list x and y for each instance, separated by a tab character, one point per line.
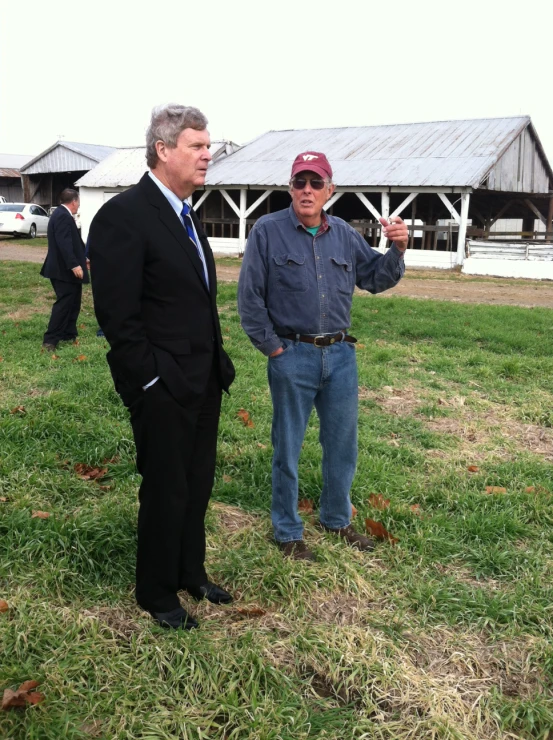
325	223
174	200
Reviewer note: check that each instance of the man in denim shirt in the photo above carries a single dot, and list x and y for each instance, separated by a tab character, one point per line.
299	272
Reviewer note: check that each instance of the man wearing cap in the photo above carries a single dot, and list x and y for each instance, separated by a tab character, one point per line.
296	284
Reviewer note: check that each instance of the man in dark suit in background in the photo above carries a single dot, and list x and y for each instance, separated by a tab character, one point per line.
65	266
154	287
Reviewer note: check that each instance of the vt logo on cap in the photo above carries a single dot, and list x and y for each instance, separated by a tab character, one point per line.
312	162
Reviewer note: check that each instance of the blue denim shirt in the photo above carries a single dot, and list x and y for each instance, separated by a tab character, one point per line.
292	282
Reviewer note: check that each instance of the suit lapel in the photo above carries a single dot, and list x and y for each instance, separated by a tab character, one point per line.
173	223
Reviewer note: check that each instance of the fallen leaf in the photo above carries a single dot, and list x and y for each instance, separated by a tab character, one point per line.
3	499
227	479
4	606
251	611
1	359
416	509
245	417
495	489
18	410
24	695
82	326
378	501
353	512
359	345
75	343
35	697
80	358
55	357
88	472
473	469
305	506
40	515
376	529
530	489
262	446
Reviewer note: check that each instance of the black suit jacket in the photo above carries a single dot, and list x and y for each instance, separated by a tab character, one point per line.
65	248
150	296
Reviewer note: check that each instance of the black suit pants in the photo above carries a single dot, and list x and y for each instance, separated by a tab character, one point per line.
65	312
176	448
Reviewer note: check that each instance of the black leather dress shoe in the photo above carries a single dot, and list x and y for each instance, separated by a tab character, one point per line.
178	619
211	592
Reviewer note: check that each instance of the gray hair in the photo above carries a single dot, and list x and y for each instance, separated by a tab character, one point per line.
167	123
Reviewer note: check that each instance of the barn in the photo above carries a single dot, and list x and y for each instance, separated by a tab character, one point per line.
10	176
59	167
450	180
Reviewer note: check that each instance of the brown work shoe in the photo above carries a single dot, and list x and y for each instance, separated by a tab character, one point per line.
296	549
352	537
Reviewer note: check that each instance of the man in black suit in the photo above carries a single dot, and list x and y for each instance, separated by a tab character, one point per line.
154	288
65	265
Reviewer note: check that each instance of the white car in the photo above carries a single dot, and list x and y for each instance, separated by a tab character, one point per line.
25	219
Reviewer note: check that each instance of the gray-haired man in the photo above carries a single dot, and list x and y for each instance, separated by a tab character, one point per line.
294	297
154	287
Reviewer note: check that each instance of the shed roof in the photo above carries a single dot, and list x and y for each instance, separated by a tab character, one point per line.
432	154
67	156
125	166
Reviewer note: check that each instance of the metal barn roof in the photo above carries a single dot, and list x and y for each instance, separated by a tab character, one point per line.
433	154
124	167
67	156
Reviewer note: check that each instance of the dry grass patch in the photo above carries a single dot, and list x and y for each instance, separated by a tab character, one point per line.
120	622
398	401
233	518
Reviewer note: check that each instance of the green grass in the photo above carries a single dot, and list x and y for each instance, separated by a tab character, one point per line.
21	241
447	634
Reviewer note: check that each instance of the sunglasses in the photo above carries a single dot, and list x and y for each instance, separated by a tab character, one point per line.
299	183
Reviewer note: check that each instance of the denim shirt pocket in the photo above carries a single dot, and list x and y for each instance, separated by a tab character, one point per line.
342	275
291	273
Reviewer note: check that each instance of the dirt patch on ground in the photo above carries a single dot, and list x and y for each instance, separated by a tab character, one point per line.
397	401
425	284
22	253
501	436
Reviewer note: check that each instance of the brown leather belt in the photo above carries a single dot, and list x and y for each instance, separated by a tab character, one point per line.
323	340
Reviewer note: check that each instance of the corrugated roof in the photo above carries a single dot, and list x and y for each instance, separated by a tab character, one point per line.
433	154
124	167
8	172
67	156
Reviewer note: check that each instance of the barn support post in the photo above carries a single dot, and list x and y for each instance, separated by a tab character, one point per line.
331	201
385	208
465	199
549	225
201	199
242	228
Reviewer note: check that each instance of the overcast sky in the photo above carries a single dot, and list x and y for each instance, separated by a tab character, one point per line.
91	71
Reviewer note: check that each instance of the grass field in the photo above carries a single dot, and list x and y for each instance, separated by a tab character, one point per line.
445	634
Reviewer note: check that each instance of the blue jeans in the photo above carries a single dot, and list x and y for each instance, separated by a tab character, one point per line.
301	377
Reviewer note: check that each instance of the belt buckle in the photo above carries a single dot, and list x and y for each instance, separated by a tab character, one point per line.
321	336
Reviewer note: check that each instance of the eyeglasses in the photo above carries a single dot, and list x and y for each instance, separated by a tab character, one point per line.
299	183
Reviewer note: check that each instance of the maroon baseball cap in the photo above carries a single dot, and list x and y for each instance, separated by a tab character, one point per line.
312	162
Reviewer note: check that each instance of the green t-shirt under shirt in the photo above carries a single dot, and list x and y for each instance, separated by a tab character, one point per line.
312	229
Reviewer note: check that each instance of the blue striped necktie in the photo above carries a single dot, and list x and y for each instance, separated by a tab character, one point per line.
187	219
